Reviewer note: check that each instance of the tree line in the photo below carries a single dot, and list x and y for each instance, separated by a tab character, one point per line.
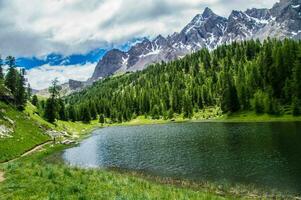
13	84
264	77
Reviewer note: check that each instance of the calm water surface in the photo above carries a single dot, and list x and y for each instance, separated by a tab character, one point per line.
260	154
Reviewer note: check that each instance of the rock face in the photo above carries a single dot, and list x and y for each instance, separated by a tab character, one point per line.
206	30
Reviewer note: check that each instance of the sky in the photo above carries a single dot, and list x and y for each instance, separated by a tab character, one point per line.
66	38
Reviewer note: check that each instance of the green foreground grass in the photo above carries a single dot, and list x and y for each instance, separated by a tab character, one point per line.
38	177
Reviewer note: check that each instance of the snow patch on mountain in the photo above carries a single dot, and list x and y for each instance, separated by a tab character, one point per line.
207	30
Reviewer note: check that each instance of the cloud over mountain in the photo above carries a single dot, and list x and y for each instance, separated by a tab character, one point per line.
36	28
41	77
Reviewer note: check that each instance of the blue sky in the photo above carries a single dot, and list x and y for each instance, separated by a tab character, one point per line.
55	59
66	38
58	59
42	70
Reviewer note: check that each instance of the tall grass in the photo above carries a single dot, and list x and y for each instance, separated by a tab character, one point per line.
35	180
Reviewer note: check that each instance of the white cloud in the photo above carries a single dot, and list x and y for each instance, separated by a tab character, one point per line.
41	77
36	28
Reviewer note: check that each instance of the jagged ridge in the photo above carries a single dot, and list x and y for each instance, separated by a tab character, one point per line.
206	30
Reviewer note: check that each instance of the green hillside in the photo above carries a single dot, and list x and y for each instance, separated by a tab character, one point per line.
248	76
24	133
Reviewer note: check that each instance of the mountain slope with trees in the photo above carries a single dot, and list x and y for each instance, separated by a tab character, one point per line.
253	76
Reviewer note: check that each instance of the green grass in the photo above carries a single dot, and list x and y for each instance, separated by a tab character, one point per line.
38	178
214	114
253	117
29	130
27	134
76	129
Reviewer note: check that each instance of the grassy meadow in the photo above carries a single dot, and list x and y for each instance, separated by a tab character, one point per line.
42	177
26	135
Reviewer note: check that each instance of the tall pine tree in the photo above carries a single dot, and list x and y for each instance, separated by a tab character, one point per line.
52	105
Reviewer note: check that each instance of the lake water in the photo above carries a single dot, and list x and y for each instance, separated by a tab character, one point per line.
260	154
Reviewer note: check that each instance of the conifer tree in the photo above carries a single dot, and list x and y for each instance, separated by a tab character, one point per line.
72	113
93	110
51	110
1	69
11	78
52	104
29	92
86	116
62	110
2	88
21	96
101	119
188	108
34	100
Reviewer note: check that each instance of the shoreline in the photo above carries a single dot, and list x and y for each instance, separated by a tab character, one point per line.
50	156
225	119
226	190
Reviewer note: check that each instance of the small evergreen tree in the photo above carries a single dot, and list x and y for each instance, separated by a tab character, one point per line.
1	70
21	96
62	111
170	114
101	119
11	78
72	113
50	110
156	112
29	92
86	116
34	100
2	88
52	104
230	102
258	102
187	107
93	110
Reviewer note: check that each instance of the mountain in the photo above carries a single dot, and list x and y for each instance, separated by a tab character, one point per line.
246	76
206	30
66	88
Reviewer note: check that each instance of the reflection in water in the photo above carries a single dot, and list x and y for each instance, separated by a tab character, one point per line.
262	154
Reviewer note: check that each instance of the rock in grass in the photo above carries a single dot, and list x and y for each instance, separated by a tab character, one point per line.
5	132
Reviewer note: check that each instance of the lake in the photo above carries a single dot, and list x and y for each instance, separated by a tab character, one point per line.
261	154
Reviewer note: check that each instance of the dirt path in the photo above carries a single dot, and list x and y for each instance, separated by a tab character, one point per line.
35	149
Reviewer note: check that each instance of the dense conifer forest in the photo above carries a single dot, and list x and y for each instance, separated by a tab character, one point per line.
253	76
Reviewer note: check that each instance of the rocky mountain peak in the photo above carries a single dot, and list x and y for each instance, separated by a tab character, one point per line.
259	13
160	41
207	30
236	14
207	13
